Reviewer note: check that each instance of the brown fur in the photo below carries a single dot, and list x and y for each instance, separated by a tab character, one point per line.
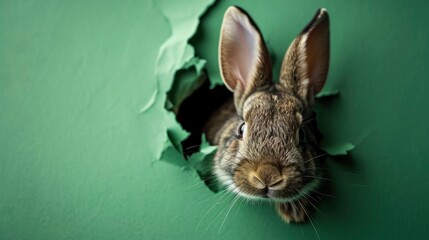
270	161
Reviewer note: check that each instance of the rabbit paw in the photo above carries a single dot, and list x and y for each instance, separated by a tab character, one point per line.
293	212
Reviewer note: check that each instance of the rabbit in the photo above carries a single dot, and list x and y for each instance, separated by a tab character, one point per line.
267	150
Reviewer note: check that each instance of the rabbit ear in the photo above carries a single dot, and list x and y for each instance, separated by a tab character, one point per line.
243	57
305	65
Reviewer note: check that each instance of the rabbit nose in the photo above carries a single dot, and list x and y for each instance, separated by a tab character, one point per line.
267	177
256	181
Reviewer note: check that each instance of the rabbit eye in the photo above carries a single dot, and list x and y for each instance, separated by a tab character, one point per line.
240	130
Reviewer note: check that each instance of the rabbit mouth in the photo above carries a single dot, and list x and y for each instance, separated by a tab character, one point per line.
301	193
277	196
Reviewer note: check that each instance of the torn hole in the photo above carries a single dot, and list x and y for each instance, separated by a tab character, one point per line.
190	101
193	100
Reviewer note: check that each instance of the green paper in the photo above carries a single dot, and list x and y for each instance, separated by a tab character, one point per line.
200	160
327	94
83	97
174	54
186	80
337	148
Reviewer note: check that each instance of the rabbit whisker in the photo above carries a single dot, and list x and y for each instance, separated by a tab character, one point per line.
323	194
220	212
311	221
229	210
219	199
194	146
306	194
318	156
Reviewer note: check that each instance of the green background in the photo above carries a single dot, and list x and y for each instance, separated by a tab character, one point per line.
78	158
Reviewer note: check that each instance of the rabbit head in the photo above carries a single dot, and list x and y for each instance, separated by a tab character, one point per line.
268	150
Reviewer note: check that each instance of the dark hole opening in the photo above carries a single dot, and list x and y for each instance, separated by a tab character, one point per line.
195	110
192	114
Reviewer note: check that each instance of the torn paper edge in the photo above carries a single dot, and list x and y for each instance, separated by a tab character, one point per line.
173	55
